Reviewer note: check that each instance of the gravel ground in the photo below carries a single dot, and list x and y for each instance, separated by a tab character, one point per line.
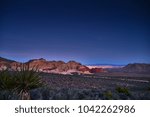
88	87
97	87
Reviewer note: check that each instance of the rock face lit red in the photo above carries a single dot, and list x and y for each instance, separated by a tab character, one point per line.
51	66
84	69
96	70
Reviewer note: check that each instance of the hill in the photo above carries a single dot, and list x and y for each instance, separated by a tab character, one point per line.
43	65
137	68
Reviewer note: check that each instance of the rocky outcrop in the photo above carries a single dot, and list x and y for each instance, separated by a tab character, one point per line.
96	70
50	66
6	63
84	69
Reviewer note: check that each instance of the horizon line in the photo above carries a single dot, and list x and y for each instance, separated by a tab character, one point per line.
87	64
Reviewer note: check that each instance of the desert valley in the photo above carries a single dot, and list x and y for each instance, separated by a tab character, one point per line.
72	80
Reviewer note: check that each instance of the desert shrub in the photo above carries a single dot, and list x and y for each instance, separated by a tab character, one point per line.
108	95
123	90
7	85
26	79
6	80
20	81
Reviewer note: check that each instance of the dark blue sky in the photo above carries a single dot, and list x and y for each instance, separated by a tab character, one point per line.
88	31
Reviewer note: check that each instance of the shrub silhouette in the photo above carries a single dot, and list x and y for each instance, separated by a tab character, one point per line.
7	86
26	79
108	95
20	81
123	90
6	80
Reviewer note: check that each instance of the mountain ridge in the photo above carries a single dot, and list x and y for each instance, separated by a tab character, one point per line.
71	66
50	66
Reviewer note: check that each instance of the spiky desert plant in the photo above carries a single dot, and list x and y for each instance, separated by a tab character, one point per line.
26	79
6	80
7	85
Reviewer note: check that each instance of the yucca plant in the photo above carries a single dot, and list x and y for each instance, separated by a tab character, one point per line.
6	80
7	85
20	81
26	79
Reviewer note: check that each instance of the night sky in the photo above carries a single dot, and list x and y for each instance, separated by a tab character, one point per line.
88	31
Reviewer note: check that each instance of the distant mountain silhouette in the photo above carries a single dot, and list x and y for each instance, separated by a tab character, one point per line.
137	68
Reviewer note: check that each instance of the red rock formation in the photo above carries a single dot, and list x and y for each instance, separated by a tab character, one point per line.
84	69
50	66
96	70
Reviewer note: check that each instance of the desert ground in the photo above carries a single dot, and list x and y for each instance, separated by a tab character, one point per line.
96	86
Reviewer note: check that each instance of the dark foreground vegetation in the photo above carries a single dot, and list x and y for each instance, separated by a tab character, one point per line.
17	85
29	84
